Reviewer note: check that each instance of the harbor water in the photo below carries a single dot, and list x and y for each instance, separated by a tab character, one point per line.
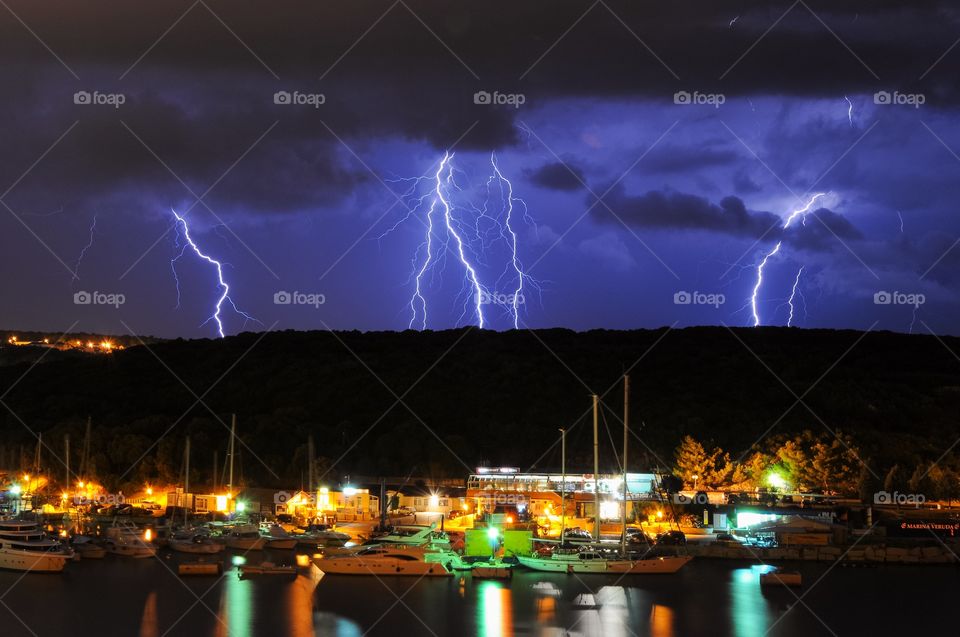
146	598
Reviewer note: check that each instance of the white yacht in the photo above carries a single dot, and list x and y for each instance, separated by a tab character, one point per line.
25	547
384	560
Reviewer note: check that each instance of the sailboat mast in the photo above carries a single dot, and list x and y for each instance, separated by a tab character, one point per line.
626	430
233	434
66	443
186	473
563	482
596	469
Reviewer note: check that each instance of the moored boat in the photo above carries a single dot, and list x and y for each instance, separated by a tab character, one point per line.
278	538
245	537
564	560
200	568
197	543
25	547
780	577
383	560
266	568
128	542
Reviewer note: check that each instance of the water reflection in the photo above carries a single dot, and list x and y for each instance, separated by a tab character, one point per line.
661	621
236	607
148	622
495	610
749	611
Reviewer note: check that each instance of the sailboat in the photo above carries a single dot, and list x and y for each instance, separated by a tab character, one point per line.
566	558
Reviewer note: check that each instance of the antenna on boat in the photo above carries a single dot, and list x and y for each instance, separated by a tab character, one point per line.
233	435
596	469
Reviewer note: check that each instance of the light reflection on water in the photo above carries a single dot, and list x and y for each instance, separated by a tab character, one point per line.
750	612
146	598
495	612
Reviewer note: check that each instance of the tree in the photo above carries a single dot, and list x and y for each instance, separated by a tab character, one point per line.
693	460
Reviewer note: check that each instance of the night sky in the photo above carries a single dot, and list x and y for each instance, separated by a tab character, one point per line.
631	198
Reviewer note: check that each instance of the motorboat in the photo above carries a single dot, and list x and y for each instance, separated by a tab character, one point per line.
245	537
576	560
278	538
384	560
87	547
321	535
25	547
780	577
415	535
128	542
266	568
194	542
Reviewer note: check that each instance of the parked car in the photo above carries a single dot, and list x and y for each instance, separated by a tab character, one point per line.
453	515
672	538
727	539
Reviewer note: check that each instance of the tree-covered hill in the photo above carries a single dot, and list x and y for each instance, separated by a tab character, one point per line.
438	403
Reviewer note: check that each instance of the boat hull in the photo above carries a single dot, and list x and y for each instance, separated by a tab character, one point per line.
380	567
246	544
283	544
200	548
16	560
657	565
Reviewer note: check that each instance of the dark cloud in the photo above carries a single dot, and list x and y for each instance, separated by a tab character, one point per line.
668	158
558	176
676	210
821	229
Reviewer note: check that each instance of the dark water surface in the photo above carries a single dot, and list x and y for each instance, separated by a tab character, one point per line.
146	598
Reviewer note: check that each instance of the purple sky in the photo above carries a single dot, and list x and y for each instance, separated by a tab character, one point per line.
691	196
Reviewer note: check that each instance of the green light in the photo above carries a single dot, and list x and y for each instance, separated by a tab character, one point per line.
493	533
776	480
241	507
15	489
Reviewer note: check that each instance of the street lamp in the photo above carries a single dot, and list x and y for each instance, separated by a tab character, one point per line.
695	478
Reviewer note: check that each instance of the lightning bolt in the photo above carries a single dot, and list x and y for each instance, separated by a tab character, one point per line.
76	268
756	287
793	293
448	220
800	213
849	110
457	227
225	288
517	296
